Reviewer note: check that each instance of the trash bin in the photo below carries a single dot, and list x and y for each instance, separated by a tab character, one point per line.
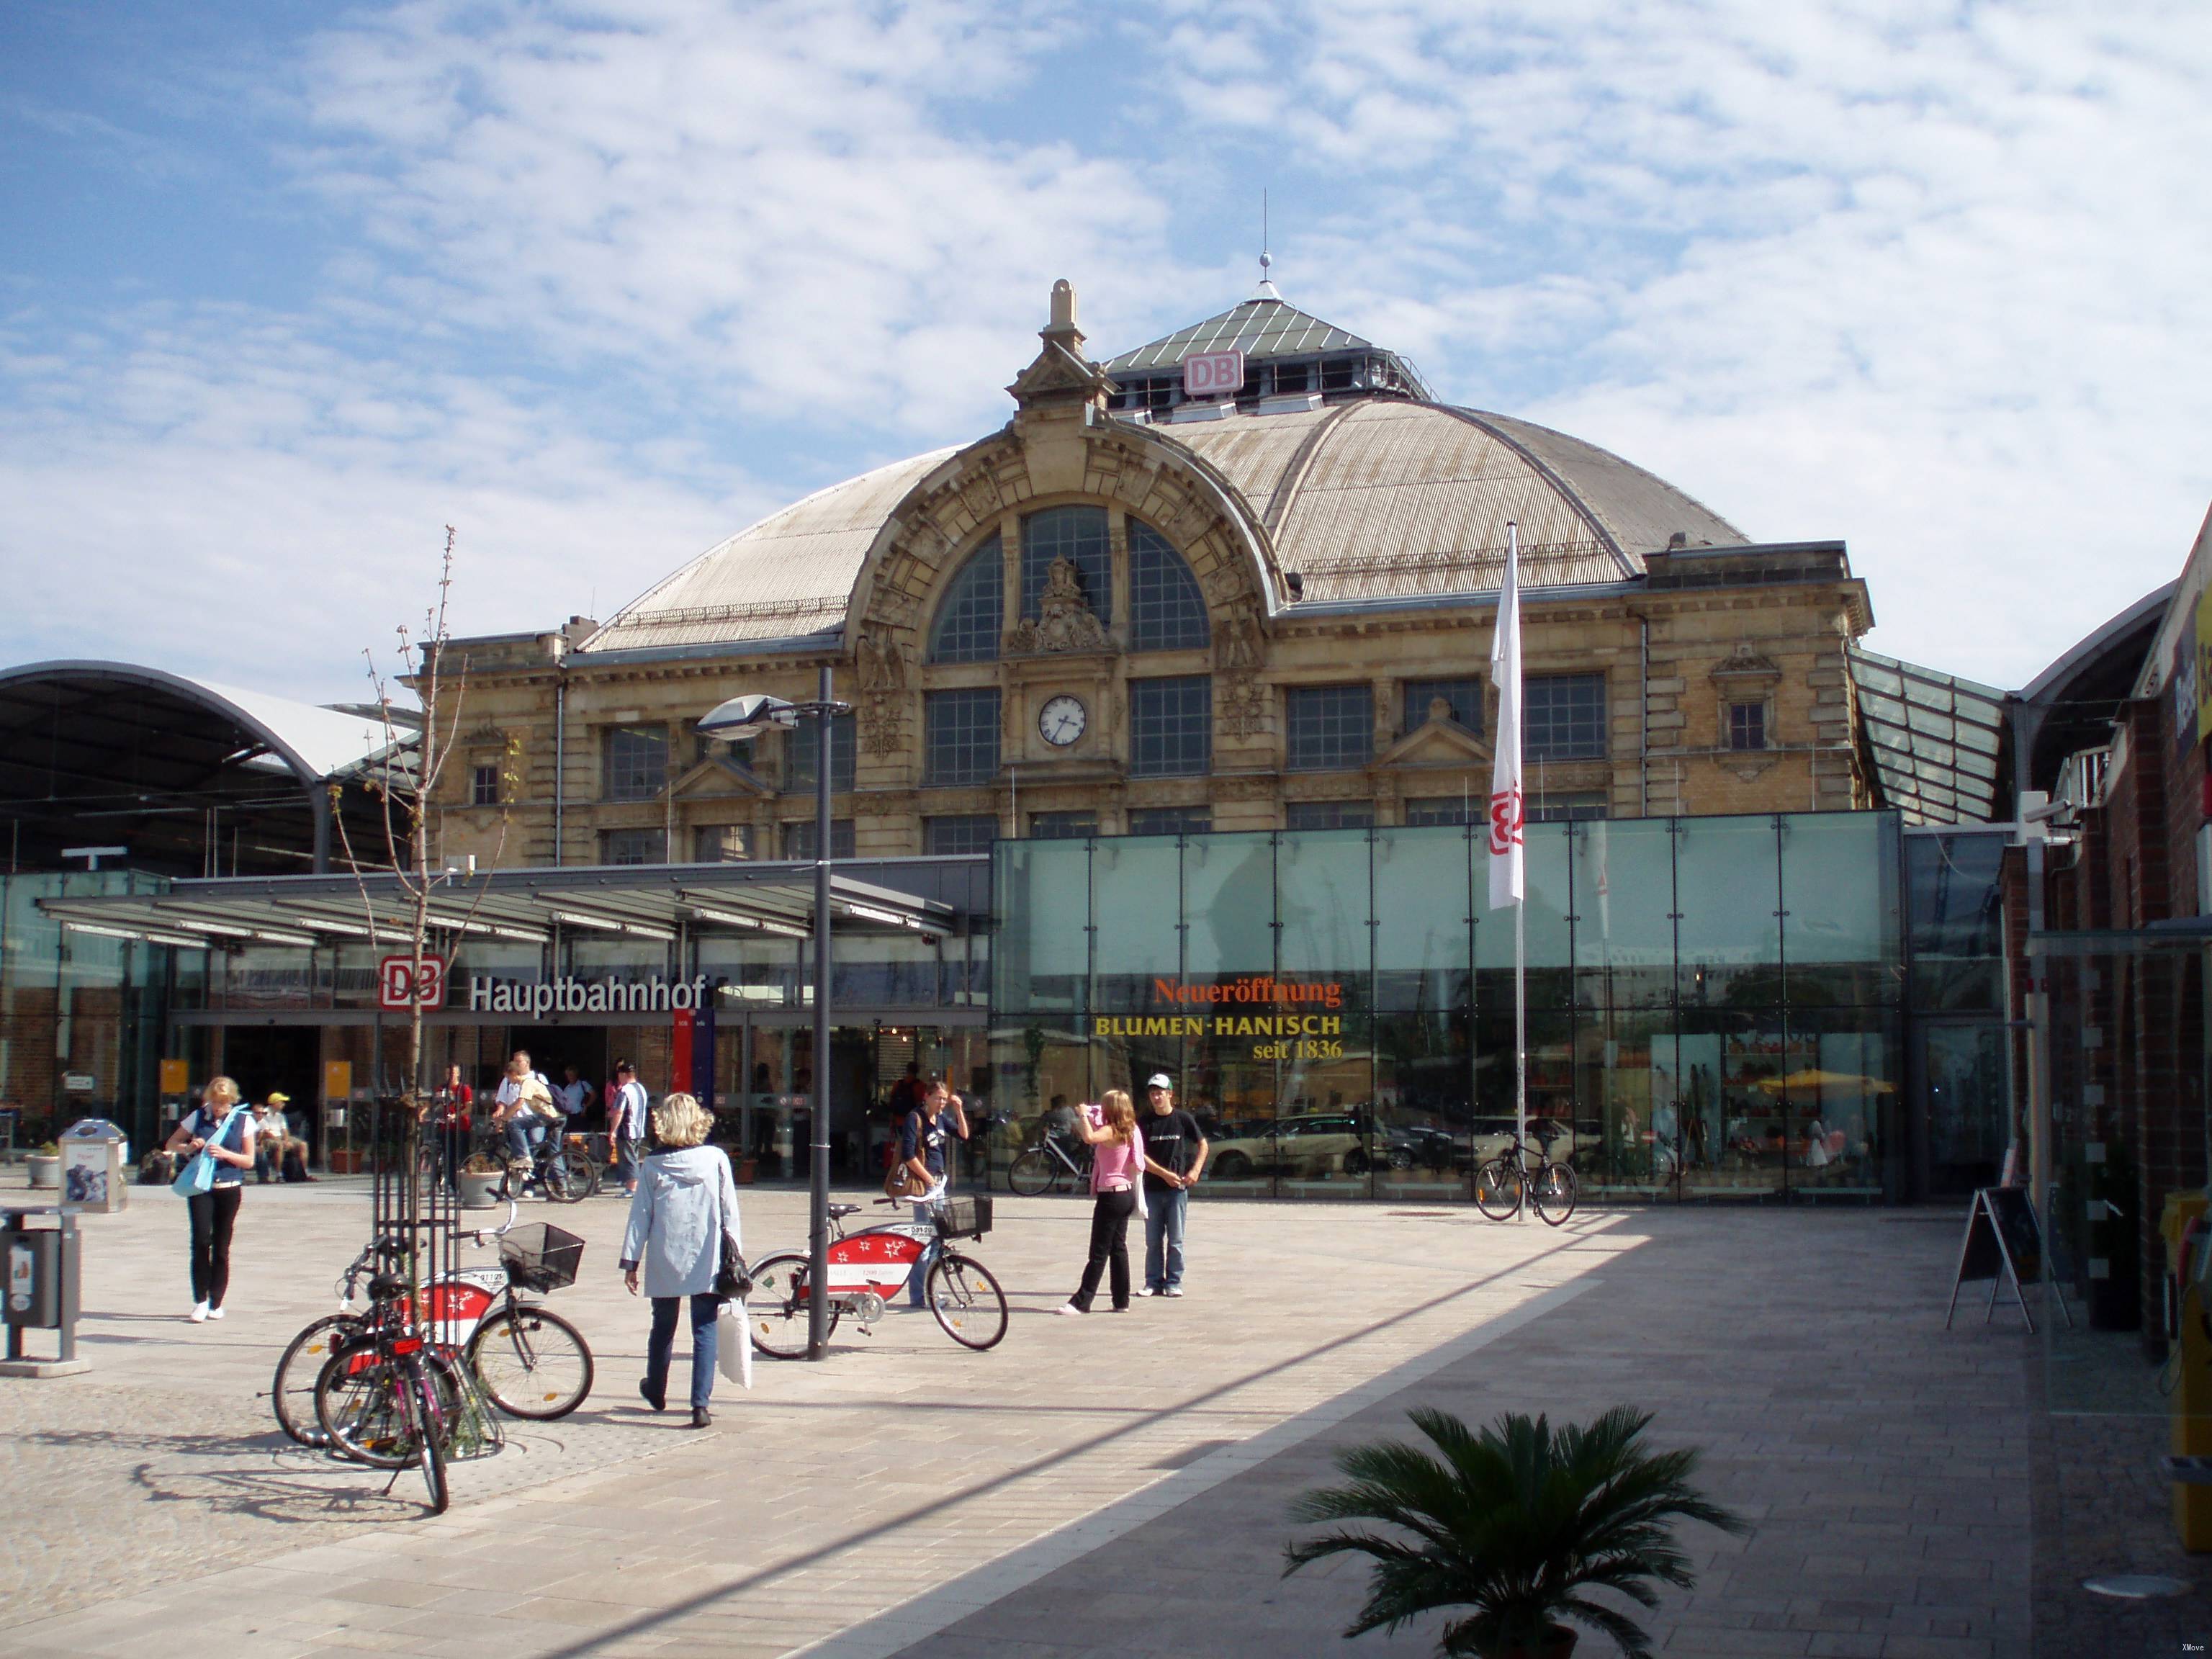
95	1154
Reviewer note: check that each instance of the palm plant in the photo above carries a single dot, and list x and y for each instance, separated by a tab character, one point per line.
1516	1522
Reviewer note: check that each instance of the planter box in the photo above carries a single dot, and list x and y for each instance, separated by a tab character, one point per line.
46	1172
748	1169
341	1162
477	1190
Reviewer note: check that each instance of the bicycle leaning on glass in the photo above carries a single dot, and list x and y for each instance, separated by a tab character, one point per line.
528	1361
868	1269
1048	1165
1505	1182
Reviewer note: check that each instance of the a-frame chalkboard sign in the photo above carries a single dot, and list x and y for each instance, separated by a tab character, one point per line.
2003	1239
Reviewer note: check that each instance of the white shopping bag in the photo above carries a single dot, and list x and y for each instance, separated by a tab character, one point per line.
734	1344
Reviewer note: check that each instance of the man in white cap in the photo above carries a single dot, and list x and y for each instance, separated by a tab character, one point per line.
1174	1152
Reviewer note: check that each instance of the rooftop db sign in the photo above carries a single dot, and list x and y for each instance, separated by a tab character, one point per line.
1212	374
402	982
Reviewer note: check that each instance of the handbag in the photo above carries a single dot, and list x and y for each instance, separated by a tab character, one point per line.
904	1184
733	1348
197	1175
1137	1146
732	1279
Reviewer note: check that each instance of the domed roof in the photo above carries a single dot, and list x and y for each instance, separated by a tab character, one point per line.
1371	497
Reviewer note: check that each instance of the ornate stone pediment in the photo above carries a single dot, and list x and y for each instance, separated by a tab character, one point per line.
1745	665
718	777
1437	742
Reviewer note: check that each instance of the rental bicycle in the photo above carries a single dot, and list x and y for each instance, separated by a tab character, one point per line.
1047	1166
387	1397
869	1270
530	1362
1504	1184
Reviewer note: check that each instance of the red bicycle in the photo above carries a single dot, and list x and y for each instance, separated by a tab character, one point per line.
869	1269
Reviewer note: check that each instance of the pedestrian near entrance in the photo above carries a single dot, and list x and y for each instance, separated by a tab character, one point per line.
686	1201
454	1102
270	1132
1175	1153
922	1138
1117	1159
223	1128
626	1121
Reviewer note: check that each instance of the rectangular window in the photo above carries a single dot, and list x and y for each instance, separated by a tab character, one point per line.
1746	726
483	785
1170	820
634	847
802	747
960	735
1566	717
970	832
1464	696
636	761
1171	726
1567	809
799	839
721	843
1329	814
1062	826
1445	809
1328	727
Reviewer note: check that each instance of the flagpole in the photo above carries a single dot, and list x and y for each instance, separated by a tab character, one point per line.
1520	920
1508	816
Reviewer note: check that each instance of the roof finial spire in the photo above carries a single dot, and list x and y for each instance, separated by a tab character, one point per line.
1266	289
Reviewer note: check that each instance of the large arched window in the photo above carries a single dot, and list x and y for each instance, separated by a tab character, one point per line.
974	613
1077	534
1166	610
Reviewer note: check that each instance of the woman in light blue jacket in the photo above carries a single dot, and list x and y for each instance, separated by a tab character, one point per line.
686	1200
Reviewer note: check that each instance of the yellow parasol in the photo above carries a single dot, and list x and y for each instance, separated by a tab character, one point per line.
1827	1083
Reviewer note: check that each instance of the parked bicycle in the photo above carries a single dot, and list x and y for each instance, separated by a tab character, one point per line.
869	1269
529	1361
1048	1166
1505	1182
387	1397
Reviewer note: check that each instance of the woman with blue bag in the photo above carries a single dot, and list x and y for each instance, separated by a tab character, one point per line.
218	1135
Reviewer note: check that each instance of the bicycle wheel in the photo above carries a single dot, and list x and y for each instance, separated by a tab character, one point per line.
430	1430
1030	1173
775	1308
967	1301
293	1388
1497	1189
358	1404
1552	1192
582	1177
530	1363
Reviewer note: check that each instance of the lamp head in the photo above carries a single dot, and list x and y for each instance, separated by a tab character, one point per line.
747	716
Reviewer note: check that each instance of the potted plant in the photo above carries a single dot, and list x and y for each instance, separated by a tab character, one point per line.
1514	1524
479	1180
46	1166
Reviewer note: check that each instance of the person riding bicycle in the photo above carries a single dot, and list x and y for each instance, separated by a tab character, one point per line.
524	1109
922	1136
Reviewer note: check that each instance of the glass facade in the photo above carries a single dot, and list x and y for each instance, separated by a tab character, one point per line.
636	761
1171	726
963	832
1566	717
1714	1005
1167	612
960	735
973	615
1327	728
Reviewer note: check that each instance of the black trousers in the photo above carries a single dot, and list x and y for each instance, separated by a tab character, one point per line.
1109	1248
214	1214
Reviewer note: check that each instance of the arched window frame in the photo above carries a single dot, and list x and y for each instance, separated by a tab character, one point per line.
975	601
1167	607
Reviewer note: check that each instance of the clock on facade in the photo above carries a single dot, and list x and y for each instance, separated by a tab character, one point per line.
1061	720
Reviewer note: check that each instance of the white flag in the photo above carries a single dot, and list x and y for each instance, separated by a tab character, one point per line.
1507	814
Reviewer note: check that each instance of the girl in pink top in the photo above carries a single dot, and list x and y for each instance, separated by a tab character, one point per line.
1117	1160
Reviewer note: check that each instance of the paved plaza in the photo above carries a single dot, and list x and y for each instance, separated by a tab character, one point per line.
1115	1484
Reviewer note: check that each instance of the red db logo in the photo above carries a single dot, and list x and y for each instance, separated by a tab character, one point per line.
403	983
1212	374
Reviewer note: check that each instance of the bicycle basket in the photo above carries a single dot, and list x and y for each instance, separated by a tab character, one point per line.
964	1218
539	1257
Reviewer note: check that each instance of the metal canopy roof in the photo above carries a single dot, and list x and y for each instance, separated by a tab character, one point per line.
1936	742
1258	328
651	901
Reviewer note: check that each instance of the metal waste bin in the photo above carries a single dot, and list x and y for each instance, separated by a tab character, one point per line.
95	1154
39	1279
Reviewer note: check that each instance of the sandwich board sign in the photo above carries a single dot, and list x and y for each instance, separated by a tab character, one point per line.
2003	1240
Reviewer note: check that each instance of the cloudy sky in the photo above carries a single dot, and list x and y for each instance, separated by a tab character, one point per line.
287	285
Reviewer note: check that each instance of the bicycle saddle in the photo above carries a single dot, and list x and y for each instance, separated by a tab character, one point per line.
844	1209
387	1287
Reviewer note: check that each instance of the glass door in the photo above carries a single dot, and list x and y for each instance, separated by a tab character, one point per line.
1959	1084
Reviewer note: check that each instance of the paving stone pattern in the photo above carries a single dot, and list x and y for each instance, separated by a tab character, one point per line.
1112	1484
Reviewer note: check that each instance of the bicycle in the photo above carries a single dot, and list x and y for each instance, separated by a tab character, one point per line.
561	1175
528	1361
387	1397
1046	1166
1505	1182
870	1267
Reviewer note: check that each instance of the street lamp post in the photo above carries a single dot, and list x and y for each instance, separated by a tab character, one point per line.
736	720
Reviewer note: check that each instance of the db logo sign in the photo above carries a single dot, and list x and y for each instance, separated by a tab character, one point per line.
402	982
1212	374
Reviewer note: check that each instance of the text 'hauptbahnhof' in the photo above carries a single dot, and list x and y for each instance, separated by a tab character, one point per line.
1170	723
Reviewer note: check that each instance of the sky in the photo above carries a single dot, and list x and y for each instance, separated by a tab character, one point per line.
288	286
